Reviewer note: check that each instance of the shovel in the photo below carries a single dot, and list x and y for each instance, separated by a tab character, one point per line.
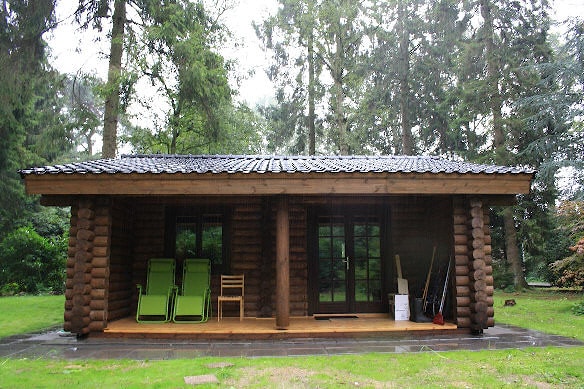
438	318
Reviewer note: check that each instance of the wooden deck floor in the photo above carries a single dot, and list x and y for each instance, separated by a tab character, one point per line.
259	328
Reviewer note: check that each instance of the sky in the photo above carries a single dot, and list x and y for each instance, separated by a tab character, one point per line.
75	51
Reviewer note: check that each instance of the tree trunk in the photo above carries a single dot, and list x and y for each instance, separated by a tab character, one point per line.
495	106
112	102
311	97
512	250
403	71
339	109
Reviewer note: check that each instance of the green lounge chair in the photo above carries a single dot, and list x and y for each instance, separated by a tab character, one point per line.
193	303
154	302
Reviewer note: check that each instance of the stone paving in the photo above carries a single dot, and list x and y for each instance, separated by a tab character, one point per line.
58	345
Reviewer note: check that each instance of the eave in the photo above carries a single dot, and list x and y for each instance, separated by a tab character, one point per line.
229	184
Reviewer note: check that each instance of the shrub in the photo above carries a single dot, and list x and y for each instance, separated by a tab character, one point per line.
30	263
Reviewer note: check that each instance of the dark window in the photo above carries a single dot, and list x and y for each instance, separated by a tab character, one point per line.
198	234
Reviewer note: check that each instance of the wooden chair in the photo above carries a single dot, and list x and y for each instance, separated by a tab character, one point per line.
230	293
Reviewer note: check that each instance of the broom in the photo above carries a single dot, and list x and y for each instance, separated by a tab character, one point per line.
425	294
438	318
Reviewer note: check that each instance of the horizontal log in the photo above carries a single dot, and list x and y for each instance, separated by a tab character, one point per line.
490	289
462	312
463	301
81	289
98	294
98	283
462	280
460	229
115	305
100	272
490	301
80	300
102	220
463	322
460	219
97	305
85	213
462	291
97	315
99	261
487	239
461	260
101	251
479	296
461	270
490	280
478	244
119	313
101	241
67	326
102	230
460	249
478	233
479	279
479	319
84	245
96	326
479	307
476	203
477	264
87	235
476	213
490	322
85	224
479	286
478	254
460	239
490	311
81	257
477	222
488	249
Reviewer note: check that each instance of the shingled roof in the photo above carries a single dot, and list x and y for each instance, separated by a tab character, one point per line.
232	164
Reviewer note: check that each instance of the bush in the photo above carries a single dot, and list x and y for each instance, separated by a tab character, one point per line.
30	263
578	308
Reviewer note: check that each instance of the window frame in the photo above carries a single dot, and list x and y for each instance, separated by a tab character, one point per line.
198	214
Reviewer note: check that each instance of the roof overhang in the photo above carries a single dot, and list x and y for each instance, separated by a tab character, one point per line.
229	184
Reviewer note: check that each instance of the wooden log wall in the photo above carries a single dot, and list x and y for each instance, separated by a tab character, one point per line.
148	234
121	290
473	265
461	262
87	266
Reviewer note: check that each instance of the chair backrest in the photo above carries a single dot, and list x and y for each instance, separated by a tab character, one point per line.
196	276
160	275
230	284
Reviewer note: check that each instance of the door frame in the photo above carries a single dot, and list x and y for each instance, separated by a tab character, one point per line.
351	212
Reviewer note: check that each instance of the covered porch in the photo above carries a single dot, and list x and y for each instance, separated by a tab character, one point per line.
323	326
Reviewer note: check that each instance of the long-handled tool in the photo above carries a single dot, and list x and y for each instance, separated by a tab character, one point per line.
425	294
438	318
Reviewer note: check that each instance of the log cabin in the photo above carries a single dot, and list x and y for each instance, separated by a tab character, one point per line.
314	235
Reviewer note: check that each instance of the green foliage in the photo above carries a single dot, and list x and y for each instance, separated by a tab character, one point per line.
578	308
34	263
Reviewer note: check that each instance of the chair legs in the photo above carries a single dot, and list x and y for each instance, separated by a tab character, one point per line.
221	300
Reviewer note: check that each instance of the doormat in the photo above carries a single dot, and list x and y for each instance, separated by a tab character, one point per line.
332	317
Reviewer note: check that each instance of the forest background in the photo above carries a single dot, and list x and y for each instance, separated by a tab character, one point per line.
488	81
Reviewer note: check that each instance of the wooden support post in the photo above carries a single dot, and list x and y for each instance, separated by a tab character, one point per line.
282	265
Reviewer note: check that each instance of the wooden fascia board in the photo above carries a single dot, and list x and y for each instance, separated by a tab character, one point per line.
277	183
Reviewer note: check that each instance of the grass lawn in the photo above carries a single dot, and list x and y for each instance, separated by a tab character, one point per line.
24	314
543	310
535	367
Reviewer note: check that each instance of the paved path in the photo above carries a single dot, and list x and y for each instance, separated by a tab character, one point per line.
54	345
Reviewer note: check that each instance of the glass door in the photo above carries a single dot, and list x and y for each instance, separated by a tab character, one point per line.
349	264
